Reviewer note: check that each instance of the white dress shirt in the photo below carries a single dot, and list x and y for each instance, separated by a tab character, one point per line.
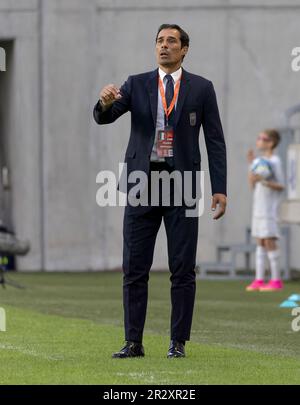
160	120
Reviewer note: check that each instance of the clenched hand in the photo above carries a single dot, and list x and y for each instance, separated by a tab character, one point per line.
109	94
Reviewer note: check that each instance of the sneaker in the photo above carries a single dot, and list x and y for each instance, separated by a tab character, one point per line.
273	285
256	285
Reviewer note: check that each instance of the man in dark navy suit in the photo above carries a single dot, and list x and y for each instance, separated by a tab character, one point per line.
168	107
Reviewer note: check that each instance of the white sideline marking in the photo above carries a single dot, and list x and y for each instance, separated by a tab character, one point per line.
30	352
2	320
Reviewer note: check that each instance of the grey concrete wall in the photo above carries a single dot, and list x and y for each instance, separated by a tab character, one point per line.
19	22
68	49
6	122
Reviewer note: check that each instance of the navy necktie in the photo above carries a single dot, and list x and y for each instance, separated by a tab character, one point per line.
169	92
169	97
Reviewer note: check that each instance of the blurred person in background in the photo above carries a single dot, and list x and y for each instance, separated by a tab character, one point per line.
267	182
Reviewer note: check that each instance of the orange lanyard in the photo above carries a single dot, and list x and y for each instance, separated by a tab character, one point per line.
169	109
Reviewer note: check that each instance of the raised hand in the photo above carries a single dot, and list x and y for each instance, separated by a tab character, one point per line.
109	94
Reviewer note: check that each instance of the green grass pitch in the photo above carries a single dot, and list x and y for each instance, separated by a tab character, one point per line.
64	327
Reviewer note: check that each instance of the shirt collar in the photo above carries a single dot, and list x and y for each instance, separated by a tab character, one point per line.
175	75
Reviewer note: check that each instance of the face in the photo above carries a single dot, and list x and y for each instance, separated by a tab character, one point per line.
263	142
168	48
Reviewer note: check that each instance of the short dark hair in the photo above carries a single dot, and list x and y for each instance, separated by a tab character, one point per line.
273	135
184	38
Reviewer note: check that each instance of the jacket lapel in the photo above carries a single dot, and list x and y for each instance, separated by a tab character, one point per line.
183	91
152	86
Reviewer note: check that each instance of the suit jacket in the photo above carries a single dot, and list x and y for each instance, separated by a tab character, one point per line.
196	106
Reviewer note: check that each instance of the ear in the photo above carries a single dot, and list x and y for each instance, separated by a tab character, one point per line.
185	50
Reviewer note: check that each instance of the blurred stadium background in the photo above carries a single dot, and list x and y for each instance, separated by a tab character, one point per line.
59	55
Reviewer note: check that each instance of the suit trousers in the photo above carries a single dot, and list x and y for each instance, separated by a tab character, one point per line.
140	228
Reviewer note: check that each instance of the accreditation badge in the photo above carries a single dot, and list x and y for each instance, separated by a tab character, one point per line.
165	139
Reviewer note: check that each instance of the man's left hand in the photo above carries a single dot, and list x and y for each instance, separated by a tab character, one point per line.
221	201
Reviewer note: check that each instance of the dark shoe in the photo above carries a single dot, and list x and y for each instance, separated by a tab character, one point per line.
176	349
131	349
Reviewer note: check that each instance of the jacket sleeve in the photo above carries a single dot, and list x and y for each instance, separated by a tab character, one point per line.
118	108
215	142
